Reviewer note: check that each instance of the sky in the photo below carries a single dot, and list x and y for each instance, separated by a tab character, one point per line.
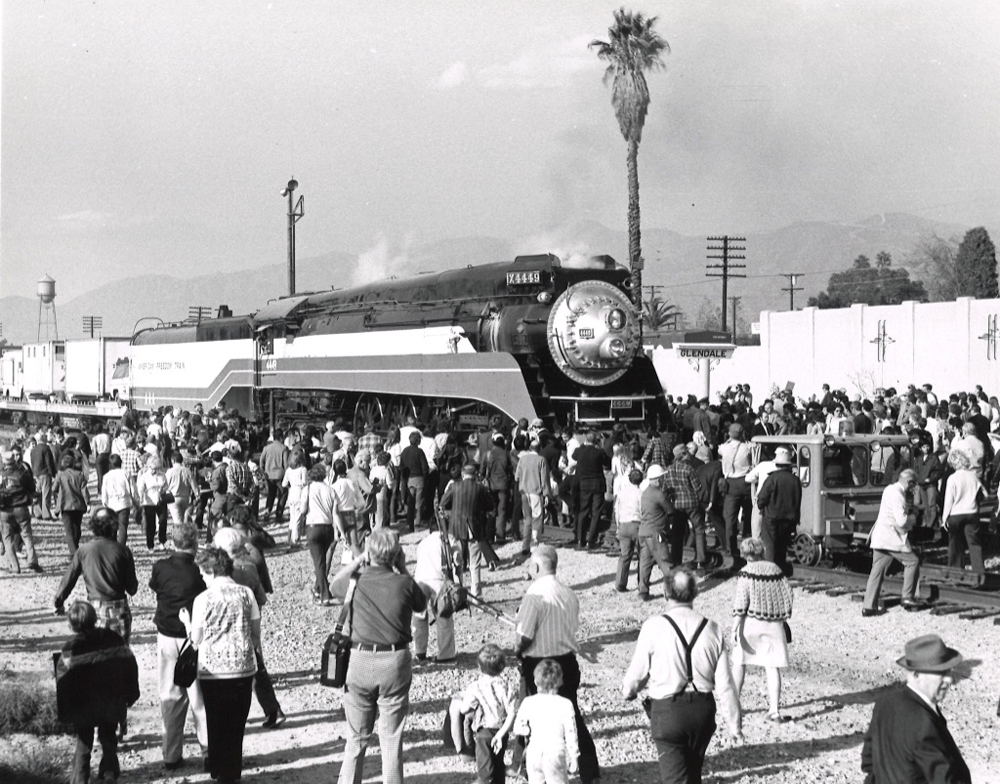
156	136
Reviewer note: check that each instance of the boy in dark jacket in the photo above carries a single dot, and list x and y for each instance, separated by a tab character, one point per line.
96	680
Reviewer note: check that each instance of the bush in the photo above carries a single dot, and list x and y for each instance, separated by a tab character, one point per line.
27	705
33	763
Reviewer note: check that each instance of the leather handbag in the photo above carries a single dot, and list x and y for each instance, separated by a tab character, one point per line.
186	667
336	655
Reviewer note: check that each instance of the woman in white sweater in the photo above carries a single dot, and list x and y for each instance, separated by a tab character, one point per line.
961	512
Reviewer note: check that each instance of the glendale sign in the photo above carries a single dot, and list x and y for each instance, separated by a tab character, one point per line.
695	351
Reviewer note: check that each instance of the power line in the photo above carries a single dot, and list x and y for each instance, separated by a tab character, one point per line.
729	245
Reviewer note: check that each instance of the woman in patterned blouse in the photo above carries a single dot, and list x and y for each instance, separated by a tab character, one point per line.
761	606
224	625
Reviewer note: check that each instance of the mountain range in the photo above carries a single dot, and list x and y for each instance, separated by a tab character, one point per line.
676	264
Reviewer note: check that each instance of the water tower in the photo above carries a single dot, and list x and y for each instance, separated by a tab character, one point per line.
46	292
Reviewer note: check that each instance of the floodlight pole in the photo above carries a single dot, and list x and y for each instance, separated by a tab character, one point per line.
296	210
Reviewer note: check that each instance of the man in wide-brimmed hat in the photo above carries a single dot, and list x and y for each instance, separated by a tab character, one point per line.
908	740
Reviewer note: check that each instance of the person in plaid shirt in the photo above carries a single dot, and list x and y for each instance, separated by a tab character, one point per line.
132	460
656	451
238	476
690	497
370	441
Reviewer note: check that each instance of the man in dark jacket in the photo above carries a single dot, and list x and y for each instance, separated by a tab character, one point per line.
273	462
17	489
43	468
96	680
468	502
176	580
498	473
929	474
415	472
779	500
908	741
657	516
591	463
108	570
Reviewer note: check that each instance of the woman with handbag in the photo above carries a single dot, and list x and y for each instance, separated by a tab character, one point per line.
151	485
961	513
762	606
224	625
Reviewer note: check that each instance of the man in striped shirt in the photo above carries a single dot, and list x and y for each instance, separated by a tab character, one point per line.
547	624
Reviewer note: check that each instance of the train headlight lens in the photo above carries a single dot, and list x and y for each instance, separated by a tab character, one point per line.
616	319
616	348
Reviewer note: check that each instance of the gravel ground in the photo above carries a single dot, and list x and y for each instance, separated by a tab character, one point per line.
839	665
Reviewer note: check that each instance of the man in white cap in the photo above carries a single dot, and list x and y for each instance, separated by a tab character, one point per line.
780	501
908	740
657	516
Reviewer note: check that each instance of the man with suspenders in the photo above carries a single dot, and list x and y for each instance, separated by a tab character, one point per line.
680	659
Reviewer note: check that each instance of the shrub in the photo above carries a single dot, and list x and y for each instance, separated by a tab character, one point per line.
27	705
31	762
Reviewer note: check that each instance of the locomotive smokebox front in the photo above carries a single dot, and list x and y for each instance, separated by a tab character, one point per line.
593	333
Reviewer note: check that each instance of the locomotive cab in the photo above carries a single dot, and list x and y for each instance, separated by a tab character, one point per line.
842	478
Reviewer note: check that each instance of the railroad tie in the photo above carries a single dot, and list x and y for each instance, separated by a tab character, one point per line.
980	612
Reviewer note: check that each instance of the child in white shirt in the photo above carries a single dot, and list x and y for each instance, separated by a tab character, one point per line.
490	701
550	724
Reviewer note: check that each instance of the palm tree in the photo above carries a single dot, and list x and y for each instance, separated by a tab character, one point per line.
632	48
658	314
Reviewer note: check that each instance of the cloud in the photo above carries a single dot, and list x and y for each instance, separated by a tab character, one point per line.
83	220
453	76
541	68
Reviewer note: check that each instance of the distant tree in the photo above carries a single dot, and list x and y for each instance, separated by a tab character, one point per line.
710	317
658	314
632	48
976	265
934	260
879	285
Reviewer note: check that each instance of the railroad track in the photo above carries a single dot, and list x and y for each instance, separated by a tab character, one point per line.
943	598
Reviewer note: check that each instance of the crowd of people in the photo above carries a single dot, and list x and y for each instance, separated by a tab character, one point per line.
647	495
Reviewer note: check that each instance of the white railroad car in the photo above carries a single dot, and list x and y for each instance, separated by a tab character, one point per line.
90	368
11	372
44	367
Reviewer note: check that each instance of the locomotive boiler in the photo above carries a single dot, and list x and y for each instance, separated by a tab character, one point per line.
527	338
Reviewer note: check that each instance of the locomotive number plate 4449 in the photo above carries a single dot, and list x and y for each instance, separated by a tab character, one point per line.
524	278
621	404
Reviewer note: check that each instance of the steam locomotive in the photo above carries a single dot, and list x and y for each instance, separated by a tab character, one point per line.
527	338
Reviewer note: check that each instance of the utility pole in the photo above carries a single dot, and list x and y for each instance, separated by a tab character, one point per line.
91	323
792	276
735	301
727	248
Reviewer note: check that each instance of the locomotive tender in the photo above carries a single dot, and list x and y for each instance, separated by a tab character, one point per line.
528	338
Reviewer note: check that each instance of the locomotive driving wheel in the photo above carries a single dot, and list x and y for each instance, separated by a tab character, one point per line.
396	410
807	550
367	410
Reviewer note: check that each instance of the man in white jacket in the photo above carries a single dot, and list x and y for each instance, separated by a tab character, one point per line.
889	541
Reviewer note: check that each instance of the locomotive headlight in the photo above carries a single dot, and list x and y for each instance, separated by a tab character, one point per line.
616	320
616	348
